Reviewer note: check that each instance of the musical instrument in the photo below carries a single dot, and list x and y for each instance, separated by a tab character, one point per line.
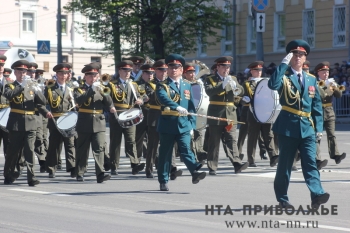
66	124
15	54
4	116
148	60
331	83
131	117
105	78
203	69
265	104
201	102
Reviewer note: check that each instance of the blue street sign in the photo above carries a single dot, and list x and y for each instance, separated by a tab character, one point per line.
43	47
261	5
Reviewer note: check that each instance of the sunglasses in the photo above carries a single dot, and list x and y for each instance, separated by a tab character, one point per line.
225	65
298	53
174	66
148	72
23	70
162	69
190	71
126	69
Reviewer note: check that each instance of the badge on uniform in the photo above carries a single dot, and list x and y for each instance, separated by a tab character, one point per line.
31	93
311	91
187	94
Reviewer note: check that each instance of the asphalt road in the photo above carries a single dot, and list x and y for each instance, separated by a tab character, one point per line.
129	203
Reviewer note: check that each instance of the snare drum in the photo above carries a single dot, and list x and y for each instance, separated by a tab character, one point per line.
4	116
201	102
66	124
265	104
131	117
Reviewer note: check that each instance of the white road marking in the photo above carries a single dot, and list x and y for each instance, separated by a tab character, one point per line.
320	226
40	192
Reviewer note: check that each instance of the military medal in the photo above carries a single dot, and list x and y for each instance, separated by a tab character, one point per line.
311	91
187	94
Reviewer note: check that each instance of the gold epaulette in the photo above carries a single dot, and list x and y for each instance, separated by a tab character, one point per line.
80	90
153	86
185	80
11	86
311	75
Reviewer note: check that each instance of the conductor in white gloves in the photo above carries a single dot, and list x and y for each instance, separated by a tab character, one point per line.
175	125
299	123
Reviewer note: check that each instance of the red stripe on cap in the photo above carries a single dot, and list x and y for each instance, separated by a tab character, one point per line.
189	68
174	61
305	66
2	61
5	73
299	48
65	68
127	66
22	66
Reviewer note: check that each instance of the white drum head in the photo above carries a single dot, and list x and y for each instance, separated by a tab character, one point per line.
266	103
4	116
129	114
67	121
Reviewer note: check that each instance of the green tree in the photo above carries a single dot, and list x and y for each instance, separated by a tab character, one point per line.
153	27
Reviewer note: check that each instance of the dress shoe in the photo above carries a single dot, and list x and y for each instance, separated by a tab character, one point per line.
241	156
103	178
295	169
197	176
273	161
33	182
338	159
137	168
59	167
149	175
164	187
285	204
252	165
8	181
175	174
42	169
321	163
80	178
239	167
212	173
114	172
263	156
319	200
52	175
107	167
73	173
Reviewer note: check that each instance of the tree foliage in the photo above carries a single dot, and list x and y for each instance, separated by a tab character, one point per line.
153	27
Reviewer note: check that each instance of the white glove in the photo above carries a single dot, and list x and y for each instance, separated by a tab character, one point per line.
226	81
233	84
318	136
182	111
246	99
36	89
287	59
75	84
24	82
191	132
96	86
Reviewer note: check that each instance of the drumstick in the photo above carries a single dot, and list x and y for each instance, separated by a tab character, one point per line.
215	118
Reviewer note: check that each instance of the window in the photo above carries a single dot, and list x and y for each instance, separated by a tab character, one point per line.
65	59
92	26
279	32
28	22
339	28
309	27
64	24
95	59
227	42
251	35
202	46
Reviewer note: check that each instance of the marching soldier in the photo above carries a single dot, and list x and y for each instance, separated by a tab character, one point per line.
122	93
221	89
91	124
175	97
255	127
59	96
328	90
299	124
145	90
4	103
137	62
22	123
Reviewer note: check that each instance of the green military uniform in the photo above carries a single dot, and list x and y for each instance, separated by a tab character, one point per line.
297	125
91	127
255	127
123	99
222	105
21	125
327	95
4	103
60	101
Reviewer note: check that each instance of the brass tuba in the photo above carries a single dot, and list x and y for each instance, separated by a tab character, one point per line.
203	69
105	78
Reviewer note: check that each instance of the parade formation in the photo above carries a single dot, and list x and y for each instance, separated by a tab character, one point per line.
163	110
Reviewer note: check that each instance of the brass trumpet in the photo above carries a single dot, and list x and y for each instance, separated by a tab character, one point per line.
105	90
322	83
105	78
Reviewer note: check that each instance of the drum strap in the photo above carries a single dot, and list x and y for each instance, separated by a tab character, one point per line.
295	111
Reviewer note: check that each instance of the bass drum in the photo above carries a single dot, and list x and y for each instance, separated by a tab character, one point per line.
265	104
4	116
201	102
